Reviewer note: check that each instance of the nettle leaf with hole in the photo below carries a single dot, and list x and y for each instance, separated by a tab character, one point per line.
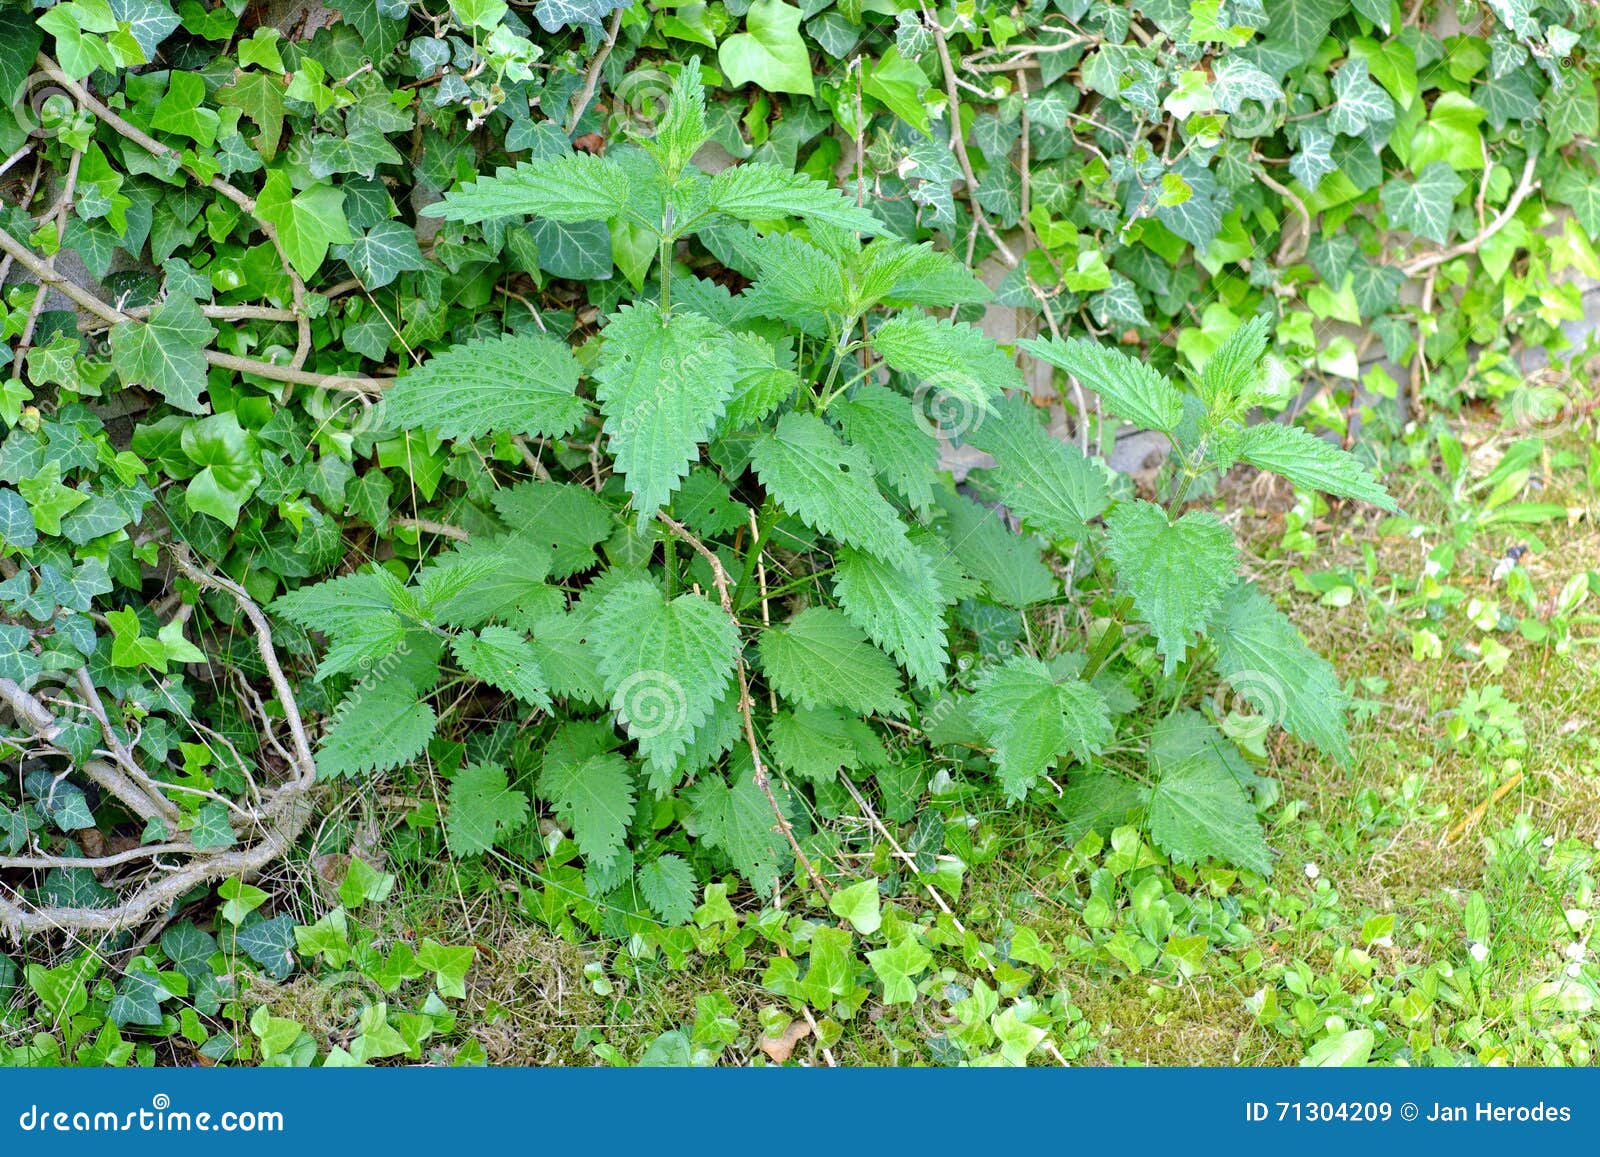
743	577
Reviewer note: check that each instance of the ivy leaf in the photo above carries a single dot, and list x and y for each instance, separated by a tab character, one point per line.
211	828
382	253
667	883
502	658
769	52
1310	463
665	665
829	484
554	15
518	383
270	943
1313	156
307	222
166	353
577	251
484	808
1361	104
576	187
1044	481
1031	720
1424	205
1198	812
1236	80
1262	657
822	659
138	999
1577	187
859	904
901	608
663	381
897	968
1175	572
1131	389
763	192
595	797
16	524
374	729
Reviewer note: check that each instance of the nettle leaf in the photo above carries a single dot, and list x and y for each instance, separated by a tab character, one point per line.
166	353
904	448
566	518
667	883
374	729
593	796
1264	661
953	358
520	383
822	659
484	808
738	819
1310	463
1032	720
1198	811
1044	481
663	380
1424	205
665	665
1230	373
1175	572
503	658
1129	388
901	608
762	192
576	187
1007	563
829	484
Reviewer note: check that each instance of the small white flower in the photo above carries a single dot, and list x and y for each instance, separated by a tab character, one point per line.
1430	568
1577	917
1548	842
1574	970
1478	952
1312	871
1383	942
1576	951
1503	568
1417	531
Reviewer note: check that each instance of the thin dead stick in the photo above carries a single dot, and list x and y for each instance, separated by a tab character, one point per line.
719	575
591	78
1525	185
297	286
343	383
428	526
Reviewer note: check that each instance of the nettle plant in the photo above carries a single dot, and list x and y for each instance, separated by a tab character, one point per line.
738	581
